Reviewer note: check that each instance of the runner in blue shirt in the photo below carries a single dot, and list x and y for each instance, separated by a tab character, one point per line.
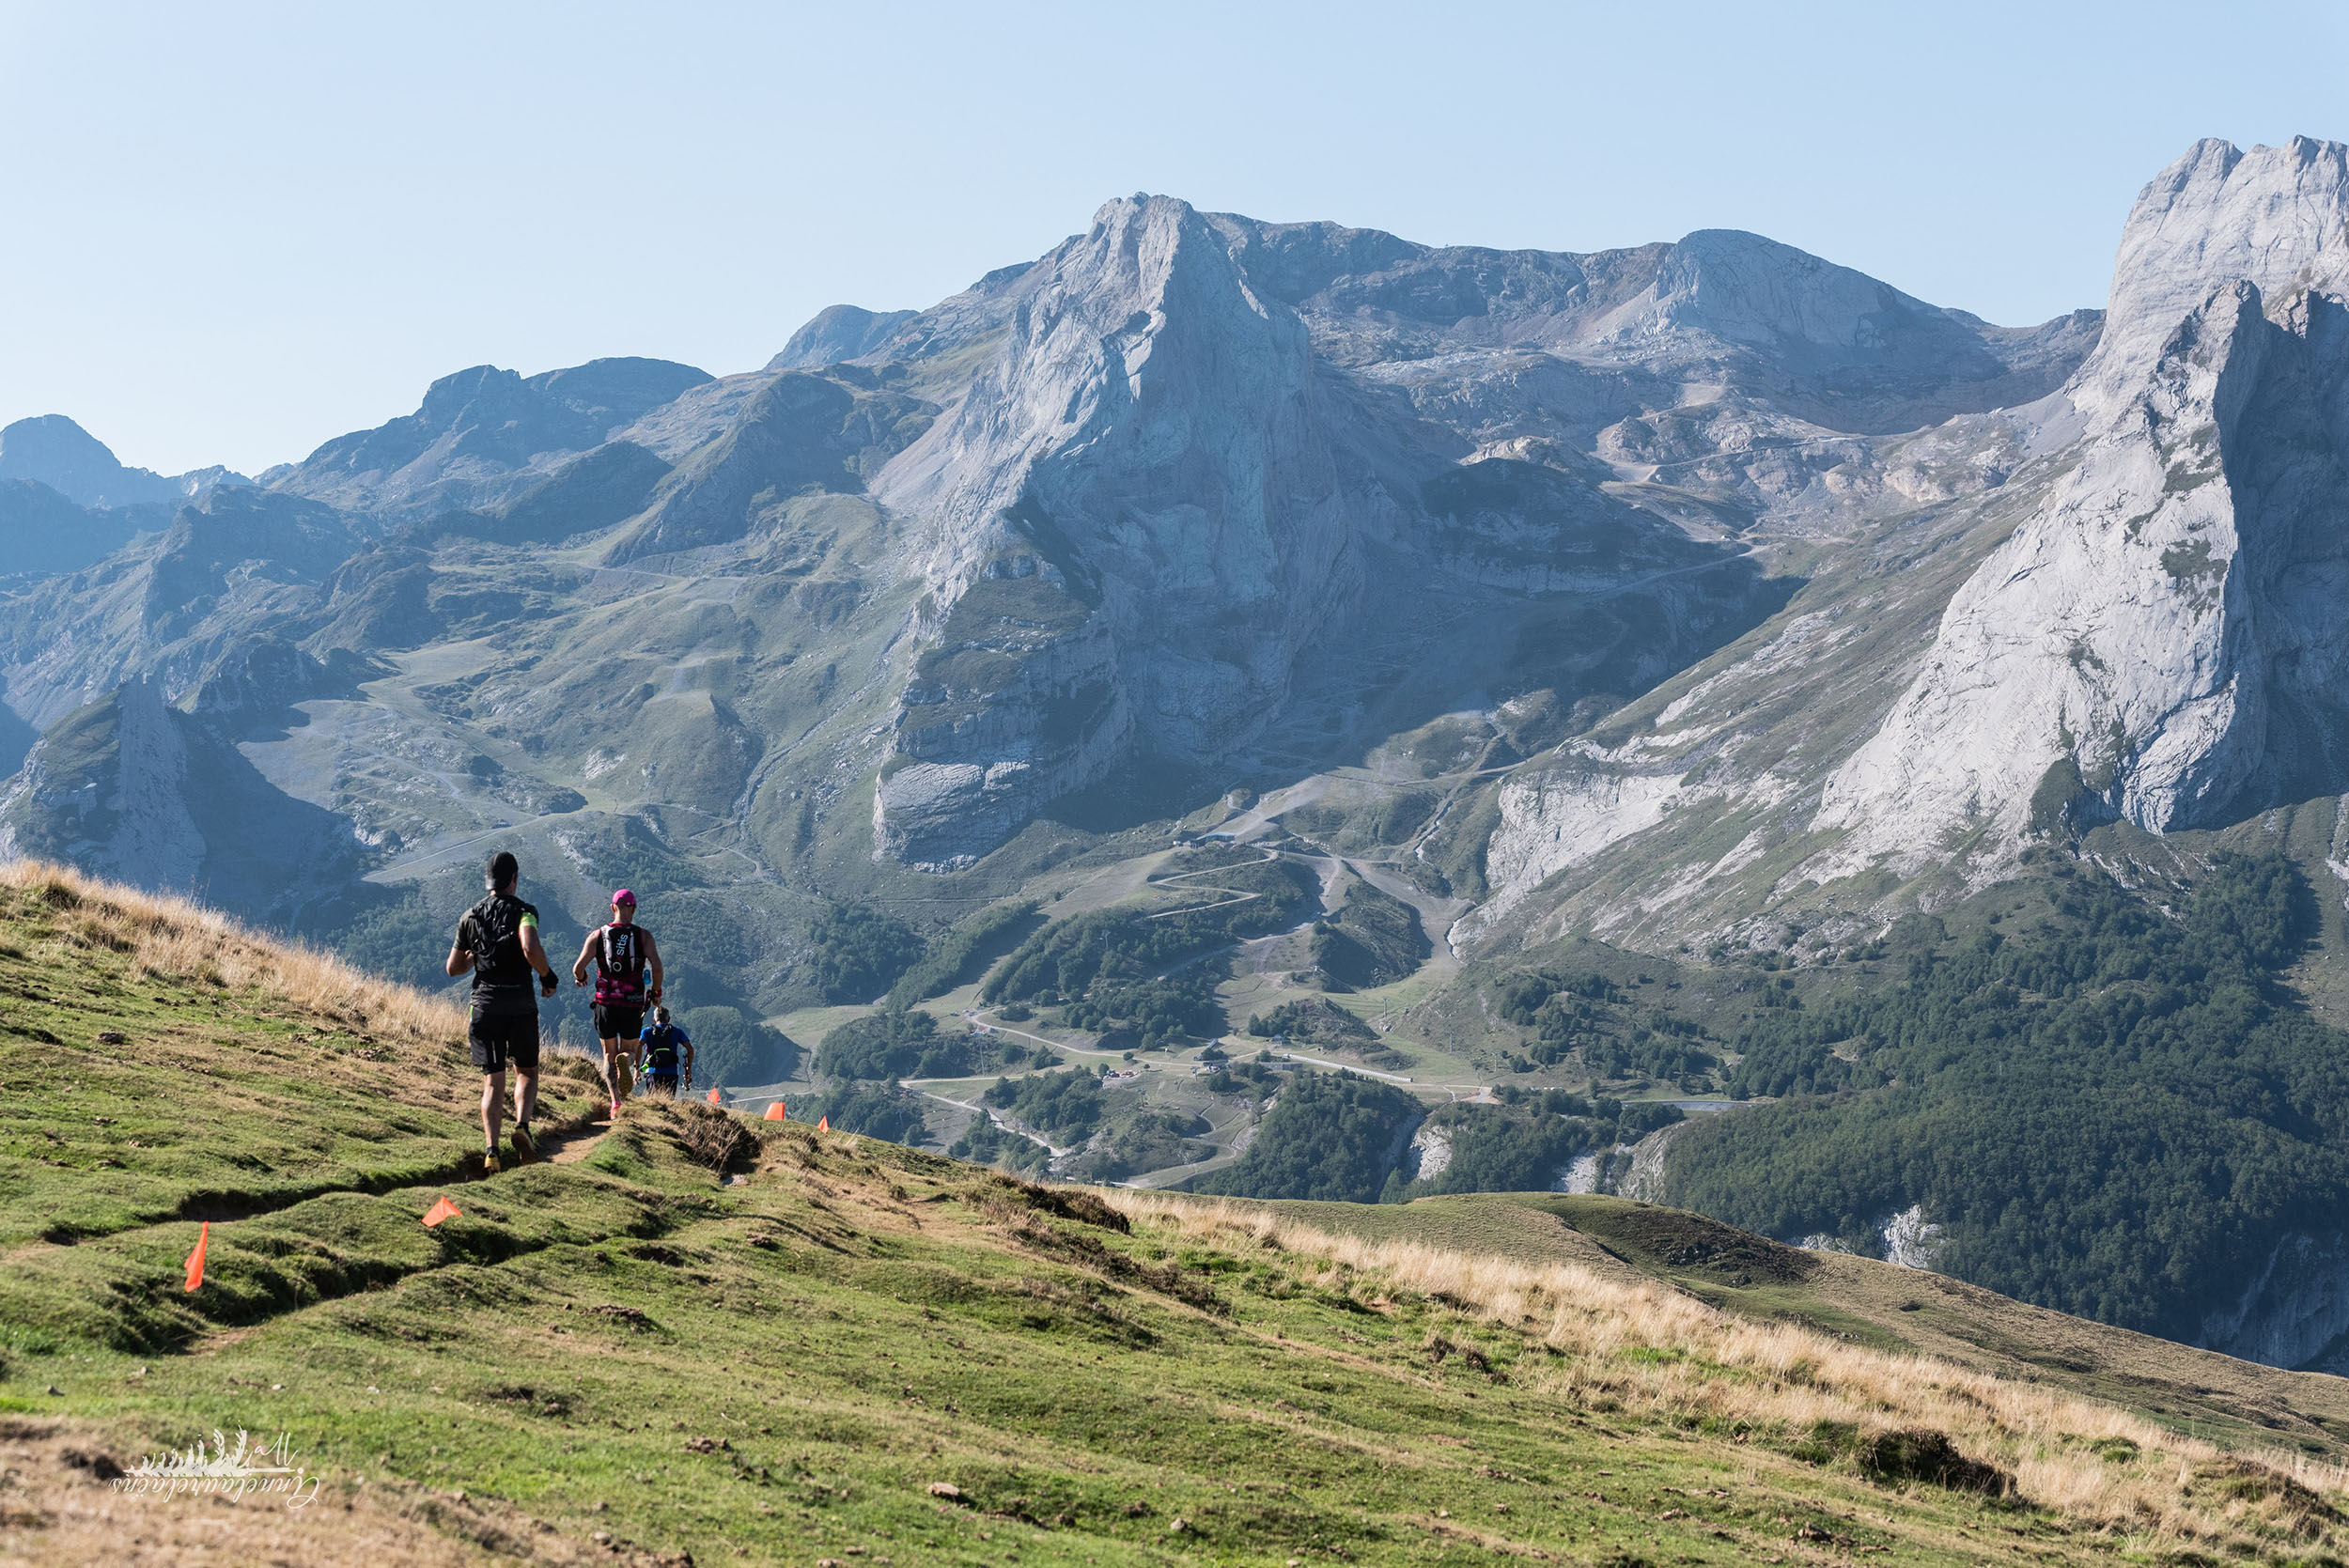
657	1055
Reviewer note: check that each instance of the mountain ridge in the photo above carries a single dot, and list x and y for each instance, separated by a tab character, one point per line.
1638	649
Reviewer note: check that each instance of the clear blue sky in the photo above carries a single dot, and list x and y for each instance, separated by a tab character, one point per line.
235	230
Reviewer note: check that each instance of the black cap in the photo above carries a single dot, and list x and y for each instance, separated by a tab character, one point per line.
503	870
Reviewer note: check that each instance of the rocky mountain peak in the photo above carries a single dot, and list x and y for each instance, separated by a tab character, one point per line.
1134	514
55	451
2276	217
483	434
1744	288
838	333
2161	639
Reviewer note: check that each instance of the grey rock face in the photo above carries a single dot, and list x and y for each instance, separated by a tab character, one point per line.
1145	483
42	532
2294	1311
796	433
2276	218
240	561
838	333
484	434
2163	641
136	790
107	790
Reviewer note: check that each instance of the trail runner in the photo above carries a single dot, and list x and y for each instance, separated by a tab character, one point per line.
498	942
657	1055
624	954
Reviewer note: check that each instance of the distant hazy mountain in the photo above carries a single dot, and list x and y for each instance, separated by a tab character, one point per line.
483	435
42	532
55	451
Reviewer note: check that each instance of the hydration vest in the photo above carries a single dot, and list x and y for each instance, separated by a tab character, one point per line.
491	931
620	966
660	1049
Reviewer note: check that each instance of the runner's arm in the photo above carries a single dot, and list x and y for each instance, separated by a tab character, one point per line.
460	957
534	954
579	970
652	953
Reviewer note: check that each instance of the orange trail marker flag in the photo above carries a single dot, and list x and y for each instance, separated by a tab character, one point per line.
196	1258
439	1211
777	1113
823	1124
713	1098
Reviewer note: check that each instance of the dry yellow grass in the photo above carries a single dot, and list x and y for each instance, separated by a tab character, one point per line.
173	938
1650	1348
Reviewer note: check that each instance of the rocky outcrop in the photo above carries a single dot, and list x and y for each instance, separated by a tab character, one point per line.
1016	701
482	435
838	333
2293	1311
2163	640
1428	1154
797	433
1644	1178
131	788
2276	218
105	789
1152	454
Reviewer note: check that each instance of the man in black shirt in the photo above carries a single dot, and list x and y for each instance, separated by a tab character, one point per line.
498	940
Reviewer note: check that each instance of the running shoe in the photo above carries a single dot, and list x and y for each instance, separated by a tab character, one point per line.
525	1149
615	1111
489	1162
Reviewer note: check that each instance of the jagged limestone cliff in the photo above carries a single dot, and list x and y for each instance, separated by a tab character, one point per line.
2163	640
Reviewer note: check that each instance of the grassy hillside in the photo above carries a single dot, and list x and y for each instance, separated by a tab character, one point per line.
698	1338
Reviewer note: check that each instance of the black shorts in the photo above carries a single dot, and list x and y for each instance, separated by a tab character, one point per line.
510	1038
654	1078
616	1022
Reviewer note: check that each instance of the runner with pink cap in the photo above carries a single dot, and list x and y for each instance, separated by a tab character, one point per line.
628	976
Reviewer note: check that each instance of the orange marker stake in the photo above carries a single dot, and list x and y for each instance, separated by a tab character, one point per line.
823	1124
439	1211
777	1113
713	1098
196	1258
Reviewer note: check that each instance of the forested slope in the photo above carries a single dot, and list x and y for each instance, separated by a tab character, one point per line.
2113	1109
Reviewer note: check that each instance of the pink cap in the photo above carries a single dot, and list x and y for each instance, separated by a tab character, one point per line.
623	897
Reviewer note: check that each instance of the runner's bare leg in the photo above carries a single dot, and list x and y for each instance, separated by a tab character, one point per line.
493	1105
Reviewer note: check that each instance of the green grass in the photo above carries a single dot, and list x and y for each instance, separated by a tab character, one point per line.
1861	1301
747	1340
128	1098
787	1366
